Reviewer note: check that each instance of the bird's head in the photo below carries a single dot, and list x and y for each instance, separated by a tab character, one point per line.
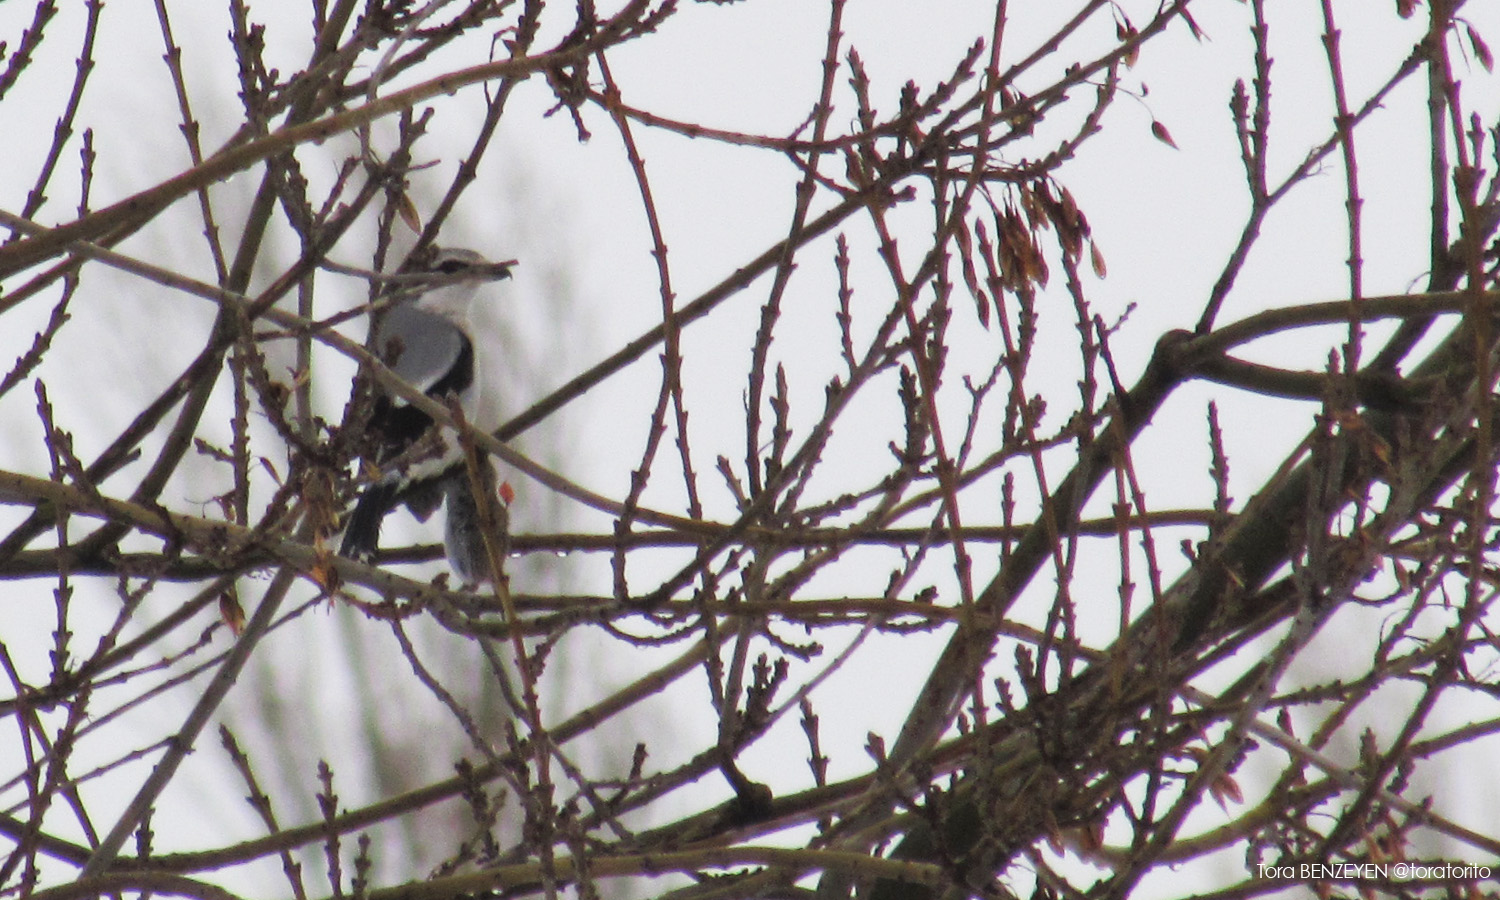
447	279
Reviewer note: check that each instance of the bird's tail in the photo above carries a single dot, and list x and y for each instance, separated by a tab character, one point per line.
362	534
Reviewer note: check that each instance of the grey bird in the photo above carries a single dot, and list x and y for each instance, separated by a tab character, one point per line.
425	337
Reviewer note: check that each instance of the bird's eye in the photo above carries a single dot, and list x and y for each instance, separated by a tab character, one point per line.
452	266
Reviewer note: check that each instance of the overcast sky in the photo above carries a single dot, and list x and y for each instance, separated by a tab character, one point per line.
1164	219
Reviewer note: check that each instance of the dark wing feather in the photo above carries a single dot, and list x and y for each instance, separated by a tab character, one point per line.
397	423
427	352
362	534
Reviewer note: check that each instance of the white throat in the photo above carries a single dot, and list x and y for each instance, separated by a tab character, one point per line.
451	301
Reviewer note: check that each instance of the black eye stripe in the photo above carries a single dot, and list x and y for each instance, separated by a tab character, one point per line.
452	266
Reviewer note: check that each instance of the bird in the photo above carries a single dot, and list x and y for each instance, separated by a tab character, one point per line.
425	337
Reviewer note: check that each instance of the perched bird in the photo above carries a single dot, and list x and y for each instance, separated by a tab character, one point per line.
424	336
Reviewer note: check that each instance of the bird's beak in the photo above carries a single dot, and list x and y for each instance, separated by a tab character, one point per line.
499	270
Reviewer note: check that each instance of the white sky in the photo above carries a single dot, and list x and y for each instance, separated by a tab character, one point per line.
1165	220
